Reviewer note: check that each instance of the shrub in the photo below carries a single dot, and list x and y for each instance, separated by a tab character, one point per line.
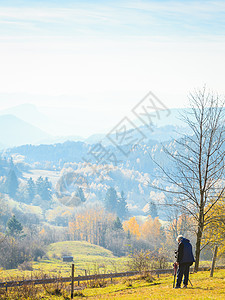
25	266
143	261
78	294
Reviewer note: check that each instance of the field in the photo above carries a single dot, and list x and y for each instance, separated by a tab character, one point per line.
204	287
89	257
52	175
92	258
136	288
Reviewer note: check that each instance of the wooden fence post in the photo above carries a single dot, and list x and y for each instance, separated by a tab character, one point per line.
213	261
72	281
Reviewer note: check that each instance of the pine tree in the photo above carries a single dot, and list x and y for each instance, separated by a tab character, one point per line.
12	184
122	210
14	227
117	225
47	193
40	186
152	211
111	200
31	189
44	188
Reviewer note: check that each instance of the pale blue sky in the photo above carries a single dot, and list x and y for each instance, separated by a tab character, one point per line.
113	18
104	56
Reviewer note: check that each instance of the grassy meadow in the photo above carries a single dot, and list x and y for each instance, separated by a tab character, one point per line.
93	259
204	287
133	288
89	257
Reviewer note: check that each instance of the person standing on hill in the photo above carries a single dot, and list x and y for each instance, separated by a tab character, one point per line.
185	259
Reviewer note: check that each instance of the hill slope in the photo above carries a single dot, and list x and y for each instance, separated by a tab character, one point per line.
14	131
77	248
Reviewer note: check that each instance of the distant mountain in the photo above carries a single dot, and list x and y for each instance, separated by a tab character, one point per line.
64	152
95	138
15	132
165	125
28	113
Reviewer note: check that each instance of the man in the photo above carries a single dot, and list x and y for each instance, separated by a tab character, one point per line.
185	259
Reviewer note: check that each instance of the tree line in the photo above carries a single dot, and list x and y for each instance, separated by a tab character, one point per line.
27	190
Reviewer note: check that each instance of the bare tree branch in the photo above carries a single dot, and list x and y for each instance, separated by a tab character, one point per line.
196	162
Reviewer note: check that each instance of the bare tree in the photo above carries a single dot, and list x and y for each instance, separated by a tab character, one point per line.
197	170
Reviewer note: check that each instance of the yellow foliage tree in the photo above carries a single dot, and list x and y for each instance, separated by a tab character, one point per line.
89	225
42	232
215	227
132	226
152	231
183	224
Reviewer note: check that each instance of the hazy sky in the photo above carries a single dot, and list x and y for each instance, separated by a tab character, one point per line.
99	58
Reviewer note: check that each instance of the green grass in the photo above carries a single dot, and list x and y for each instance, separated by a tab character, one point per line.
137	288
97	259
89	257
204	287
76	248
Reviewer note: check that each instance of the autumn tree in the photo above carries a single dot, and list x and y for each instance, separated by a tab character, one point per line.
153	232
132	227
215	229
90	225
196	162
180	223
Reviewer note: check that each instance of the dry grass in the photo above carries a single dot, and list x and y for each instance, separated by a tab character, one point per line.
134	288
204	287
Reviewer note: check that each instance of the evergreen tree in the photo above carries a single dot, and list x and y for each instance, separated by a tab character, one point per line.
14	227
152	211
11	183
117	225
122	206
80	194
40	186
111	200
44	188
47	192
31	189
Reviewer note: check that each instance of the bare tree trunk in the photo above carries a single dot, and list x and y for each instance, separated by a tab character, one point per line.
214	261
198	163
199	233
198	247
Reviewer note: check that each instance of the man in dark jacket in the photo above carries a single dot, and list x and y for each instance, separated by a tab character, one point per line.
185	259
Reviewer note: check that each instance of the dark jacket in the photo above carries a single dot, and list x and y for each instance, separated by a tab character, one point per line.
185	254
